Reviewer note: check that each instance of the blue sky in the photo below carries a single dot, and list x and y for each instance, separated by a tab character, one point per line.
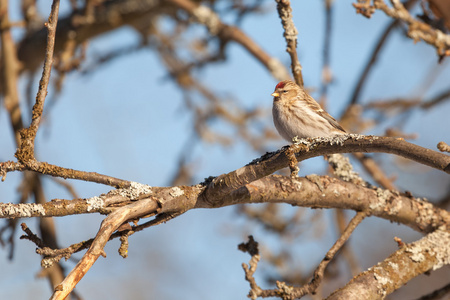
128	120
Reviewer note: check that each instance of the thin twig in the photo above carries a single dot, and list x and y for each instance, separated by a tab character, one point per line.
290	34
57	171
326	68
417	30
374	56
53	255
31	236
346	251
319	272
283	290
26	151
445	95
204	15
443	147
371	62
405	105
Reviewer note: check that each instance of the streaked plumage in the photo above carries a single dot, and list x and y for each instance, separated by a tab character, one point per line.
297	114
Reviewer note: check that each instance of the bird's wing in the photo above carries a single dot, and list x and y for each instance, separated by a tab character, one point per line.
330	120
316	107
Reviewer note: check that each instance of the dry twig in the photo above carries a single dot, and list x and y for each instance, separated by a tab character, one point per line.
443	147
290	34
285	291
216	27
109	225
57	171
25	153
327	76
417	30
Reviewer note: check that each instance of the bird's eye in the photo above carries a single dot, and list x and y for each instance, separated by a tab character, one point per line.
284	91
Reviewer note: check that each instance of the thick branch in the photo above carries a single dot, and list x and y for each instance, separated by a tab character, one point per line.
313	191
105	203
430	253
325	192
222	185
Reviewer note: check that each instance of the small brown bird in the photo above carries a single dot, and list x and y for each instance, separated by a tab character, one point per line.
297	114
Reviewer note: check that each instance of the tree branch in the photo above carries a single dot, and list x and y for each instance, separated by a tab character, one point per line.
429	253
313	191
57	171
224	184
25	153
374	56
416	30
216	27
109	225
290	34
10	67
291	292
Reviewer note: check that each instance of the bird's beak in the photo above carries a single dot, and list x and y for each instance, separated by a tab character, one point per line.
275	94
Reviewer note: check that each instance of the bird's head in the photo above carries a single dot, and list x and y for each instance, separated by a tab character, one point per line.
285	90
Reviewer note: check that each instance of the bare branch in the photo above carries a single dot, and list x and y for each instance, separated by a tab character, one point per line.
436	100
25	153
57	171
109	225
252	248
443	147
320	192
31	236
10	67
327	76
417	30
373	58
216	27
319	272
375	171
313	191
290	34
86	27
290	292
326	192
404	105
343	169
59	207
429	253
271	162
